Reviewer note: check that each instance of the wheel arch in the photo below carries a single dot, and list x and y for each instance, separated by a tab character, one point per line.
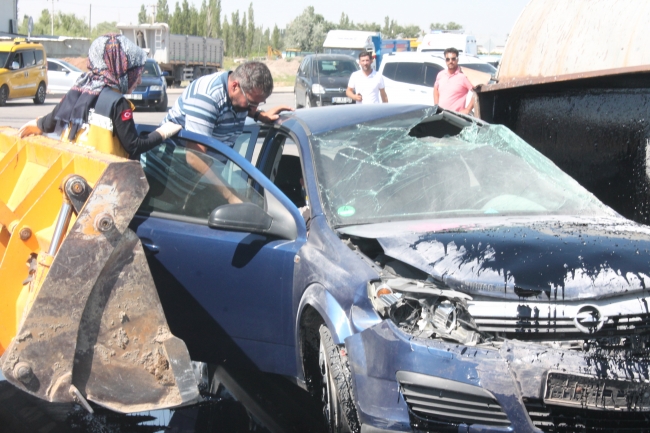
317	307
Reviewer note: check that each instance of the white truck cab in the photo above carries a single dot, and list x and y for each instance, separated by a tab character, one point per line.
466	44
350	42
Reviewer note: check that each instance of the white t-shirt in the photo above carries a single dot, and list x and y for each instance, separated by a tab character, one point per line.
367	86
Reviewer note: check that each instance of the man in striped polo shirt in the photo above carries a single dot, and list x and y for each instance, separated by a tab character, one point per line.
216	105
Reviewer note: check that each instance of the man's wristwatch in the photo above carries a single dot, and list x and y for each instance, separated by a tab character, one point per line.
256	116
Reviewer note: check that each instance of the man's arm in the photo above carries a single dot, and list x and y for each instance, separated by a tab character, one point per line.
384	96
470	106
271	115
436	95
198	164
350	93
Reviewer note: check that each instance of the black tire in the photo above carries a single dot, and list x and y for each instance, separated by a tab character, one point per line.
307	101
338	401
4	95
295	98
163	104
39	98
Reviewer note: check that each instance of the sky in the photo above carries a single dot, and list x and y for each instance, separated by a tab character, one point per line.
489	20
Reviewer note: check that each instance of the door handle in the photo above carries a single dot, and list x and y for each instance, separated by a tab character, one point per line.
412	90
153	249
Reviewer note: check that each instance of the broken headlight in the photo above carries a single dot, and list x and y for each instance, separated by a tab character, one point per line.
425	310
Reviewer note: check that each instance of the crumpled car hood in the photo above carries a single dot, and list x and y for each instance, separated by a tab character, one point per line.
547	260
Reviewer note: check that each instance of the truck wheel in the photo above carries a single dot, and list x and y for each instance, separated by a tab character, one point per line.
39	98
4	95
163	104
295	99
338	403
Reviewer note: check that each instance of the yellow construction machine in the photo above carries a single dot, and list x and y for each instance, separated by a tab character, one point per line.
80	318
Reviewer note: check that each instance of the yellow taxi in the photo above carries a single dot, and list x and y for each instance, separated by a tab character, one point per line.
23	71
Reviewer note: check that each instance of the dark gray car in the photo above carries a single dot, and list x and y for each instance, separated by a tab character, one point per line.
322	80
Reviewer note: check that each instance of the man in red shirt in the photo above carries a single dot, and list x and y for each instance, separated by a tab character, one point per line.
452	86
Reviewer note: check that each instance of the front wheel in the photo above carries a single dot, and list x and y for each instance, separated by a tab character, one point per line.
338	403
4	95
39	98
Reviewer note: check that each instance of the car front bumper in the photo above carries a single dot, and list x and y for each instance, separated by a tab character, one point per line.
330	99
404	383
146	99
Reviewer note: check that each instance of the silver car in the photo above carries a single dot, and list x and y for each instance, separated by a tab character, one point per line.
61	75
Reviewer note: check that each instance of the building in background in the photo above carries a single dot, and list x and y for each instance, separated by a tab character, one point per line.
8	16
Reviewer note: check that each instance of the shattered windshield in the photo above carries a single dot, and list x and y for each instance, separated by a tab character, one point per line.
412	166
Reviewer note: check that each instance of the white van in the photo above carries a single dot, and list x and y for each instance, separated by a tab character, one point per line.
350	42
466	44
409	77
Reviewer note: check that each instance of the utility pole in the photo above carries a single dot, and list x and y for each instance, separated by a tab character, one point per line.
90	17
52	20
153	17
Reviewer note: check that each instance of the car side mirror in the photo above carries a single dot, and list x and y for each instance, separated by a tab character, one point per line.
15	65
67	71
165	74
247	217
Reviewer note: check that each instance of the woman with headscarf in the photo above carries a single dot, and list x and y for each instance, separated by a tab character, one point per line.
94	112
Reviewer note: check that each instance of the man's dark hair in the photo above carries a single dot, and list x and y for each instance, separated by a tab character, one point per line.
365	54
254	75
452	51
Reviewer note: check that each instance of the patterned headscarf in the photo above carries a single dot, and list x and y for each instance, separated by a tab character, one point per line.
113	61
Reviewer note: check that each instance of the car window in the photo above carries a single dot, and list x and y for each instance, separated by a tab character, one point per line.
17	58
335	68
178	188
242	143
481	67
410	73
389	70
150	70
3	58
69	66
303	66
51	66
39	57
431	71
29	59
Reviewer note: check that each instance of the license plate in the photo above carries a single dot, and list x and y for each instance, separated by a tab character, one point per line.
593	393
133	96
341	100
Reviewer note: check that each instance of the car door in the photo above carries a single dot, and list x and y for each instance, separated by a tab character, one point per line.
57	76
238	281
33	72
19	76
300	87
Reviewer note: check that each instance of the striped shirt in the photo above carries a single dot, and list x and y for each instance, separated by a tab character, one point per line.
204	107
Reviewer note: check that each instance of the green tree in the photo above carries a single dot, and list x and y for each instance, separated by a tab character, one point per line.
234	49
241	34
42	26
276	38
185	18
213	19
162	12
70	25
175	20
103	28
369	27
225	31
307	31
345	23
250	31
449	26
142	15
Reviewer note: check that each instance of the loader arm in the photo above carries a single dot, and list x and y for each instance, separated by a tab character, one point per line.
80	317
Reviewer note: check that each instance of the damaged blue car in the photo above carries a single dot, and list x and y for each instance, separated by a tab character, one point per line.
413	269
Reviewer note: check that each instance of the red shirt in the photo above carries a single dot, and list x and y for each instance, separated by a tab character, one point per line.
452	89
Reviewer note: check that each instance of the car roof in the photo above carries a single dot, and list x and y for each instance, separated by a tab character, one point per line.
7	46
418	56
330	56
323	119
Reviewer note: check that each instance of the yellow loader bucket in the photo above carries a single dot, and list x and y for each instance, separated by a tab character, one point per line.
80	318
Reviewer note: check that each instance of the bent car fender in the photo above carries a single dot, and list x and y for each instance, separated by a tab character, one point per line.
317	297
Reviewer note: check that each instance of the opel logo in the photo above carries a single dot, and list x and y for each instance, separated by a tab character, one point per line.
589	320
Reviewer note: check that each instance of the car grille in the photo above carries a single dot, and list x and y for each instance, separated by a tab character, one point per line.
554	328
442	400
560	419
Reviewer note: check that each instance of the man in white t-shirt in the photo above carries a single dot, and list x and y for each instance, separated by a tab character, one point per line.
366	85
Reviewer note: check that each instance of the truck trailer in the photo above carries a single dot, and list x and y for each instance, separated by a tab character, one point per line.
184	57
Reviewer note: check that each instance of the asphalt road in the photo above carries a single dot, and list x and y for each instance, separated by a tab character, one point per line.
18	112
